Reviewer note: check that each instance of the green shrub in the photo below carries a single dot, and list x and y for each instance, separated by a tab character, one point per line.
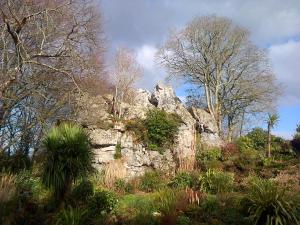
214	181
158	130
245	144
71	216
102	202
182	180
269	204
83	191
123	187
118	153
30	186
150	181
161	128
183	220
259	138
211	205
68	157
137	209
209	158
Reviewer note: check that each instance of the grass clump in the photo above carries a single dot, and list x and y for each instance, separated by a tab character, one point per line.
182	180
269	204
215	181
71	216
102	202
150	181
118	149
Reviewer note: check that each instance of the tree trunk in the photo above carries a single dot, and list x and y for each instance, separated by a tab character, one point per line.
269	140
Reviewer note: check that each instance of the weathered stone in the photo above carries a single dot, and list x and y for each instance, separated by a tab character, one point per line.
209	136
164	98
135	157
140	105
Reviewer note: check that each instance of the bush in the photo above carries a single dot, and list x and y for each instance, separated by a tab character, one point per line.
182	180
296	143
68	157
122	186
268	204
71	216
259	138
83	191
214	181
30	186
245	144
102	202
211	205
150	181
158	130
209	158
183	220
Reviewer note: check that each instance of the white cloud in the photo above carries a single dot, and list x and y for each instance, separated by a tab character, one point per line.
153	74
286	63
146	56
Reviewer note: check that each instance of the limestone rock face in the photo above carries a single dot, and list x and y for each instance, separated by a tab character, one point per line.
140	105
209	136
164	98
135	157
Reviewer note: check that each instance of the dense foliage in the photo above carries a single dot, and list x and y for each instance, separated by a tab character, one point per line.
158	130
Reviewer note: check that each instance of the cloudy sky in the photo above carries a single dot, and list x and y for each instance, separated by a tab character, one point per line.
143	25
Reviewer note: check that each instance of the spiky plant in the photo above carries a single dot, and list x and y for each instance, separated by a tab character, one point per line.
71	216
269	204
68	157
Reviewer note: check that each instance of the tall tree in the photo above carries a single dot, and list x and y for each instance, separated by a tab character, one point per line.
272	121
218	58
126	72
48	50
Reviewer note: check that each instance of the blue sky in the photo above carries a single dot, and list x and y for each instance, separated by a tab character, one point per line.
143	25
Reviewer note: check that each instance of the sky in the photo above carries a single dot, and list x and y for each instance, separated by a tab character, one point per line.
144	25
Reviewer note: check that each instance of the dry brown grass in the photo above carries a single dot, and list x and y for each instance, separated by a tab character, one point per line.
114	170
289	178
192	196
186	163
7	187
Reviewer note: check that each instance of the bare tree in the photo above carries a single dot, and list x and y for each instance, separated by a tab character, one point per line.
47	52
217	57
126	72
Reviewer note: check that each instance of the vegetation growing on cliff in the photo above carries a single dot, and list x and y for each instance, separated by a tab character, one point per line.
157	131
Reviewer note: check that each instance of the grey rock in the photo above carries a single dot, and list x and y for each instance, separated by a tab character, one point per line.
137	159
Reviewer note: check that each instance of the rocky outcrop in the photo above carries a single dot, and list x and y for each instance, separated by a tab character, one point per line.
135	157
207	127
